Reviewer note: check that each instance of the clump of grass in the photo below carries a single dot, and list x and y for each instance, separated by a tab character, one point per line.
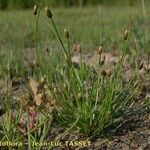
85	99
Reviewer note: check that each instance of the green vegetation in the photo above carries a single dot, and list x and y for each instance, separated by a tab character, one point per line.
84	30
15	4
92	101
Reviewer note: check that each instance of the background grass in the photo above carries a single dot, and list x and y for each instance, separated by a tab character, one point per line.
18	4
17	27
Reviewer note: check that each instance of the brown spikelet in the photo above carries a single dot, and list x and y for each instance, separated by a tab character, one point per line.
102	60
39	99
67	59
42	82
35	64
146	68
33	85
109	72
55	90
79	48
136	84
104	73
144	89
64	85
32	108
143	92
100	50
38	96
125	36
47	50
66	33
35	10
141	65
48	12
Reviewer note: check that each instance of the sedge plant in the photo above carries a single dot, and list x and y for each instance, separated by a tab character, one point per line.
86	99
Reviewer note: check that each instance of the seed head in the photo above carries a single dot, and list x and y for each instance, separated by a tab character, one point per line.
79	96
144	89
46	87
76	65
35	64
100	50
147	68
48	12
104	73
102	60
103	57
136	84
43	80
47	50
66	33
65	85
143	92
109	72
125	36
67	59
141	65
79	48
55	90
35	10
32	108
